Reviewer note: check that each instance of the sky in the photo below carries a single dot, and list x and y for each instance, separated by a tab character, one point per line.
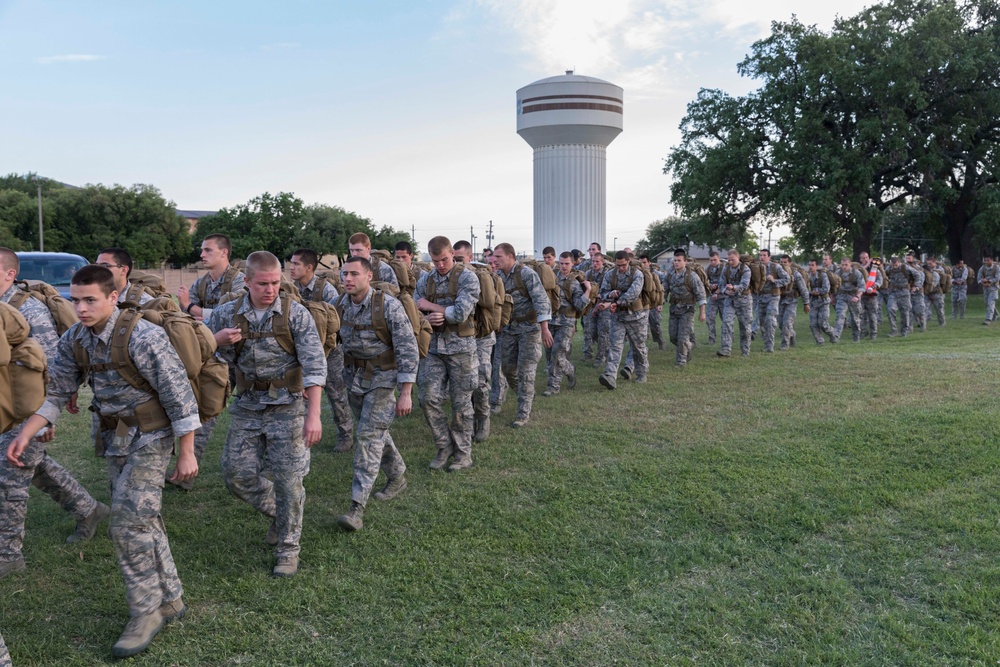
402	112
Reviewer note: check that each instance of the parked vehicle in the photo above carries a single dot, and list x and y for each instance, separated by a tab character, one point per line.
55	268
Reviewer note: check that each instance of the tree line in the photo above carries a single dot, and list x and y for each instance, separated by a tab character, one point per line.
139	219
887	125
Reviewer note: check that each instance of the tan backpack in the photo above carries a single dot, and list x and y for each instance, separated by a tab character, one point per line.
548	278
492	296
61	309
324	315
566	287
150	283
403	276
756	273
652	289
194	343
24	375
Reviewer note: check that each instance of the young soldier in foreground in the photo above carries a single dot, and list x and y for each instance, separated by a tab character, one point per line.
621	295
572	299
529	324
221	279
484	357
302	269
375	363
135	435
686	292
275	419
447	296
39	468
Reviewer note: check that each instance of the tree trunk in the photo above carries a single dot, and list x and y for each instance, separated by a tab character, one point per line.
863	239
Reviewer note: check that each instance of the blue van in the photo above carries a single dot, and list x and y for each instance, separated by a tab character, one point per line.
55	268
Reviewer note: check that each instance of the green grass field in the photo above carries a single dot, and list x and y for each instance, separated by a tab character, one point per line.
834	505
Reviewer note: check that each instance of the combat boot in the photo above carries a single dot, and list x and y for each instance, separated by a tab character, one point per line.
441	460
608	381
172	611
519	422
345	443
460	463
354	519
627	373
138	633
85	529
393	488
482	429
287	566
571	381
11	566
550	392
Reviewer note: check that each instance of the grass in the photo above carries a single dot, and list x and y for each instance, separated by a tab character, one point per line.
834	505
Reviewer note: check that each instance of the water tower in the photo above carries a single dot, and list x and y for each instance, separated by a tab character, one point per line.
569	120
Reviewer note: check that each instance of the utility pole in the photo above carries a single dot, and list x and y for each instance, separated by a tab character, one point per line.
413	233
472	240
489	235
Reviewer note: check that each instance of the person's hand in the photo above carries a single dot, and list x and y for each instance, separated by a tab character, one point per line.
312	430
228	336
404	404
435	319
187	467
72	407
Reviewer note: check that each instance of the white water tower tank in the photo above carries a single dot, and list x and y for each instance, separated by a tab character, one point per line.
569	121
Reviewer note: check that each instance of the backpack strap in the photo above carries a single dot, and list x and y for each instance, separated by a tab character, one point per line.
318	288
385	361
280	330
519	285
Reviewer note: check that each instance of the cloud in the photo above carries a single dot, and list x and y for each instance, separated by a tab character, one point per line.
70	58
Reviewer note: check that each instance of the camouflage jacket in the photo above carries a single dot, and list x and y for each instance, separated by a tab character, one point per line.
800	285
781	279
154	358
213	291
851	282
579	301
685	288
899	278
819	285
383	271
144	296
595	277
364	344
990	273
739	278
629	287
960	276
330	292
263	359
714	273
43	327
457	310
536	300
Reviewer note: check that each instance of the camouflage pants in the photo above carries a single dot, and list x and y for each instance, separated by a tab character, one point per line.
481	394
713	311
990	297
819	317
919	310
202	436
883	304
937	307
959	297
680	329
589	336
461	373
270	438
846	306
787	310
656	326
374	449
767	316
736	308
900	312
754	315
136	527
44	473
498	382
869	315
4	655
603	326
336	394
562	346
519	354
635	331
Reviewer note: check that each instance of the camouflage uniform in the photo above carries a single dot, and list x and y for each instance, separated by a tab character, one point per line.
788	305
600	320
498	381
737	305
656	314
713	309
520	341
960	279
919	303
852	283
213	293
372	390
590	333
4	655
687	295
819	305
563	326
484	360
40	469
992	275
136	460
900	281
870	307
336	391
144	296
767	302
630	320
936	298
266	420
452	359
